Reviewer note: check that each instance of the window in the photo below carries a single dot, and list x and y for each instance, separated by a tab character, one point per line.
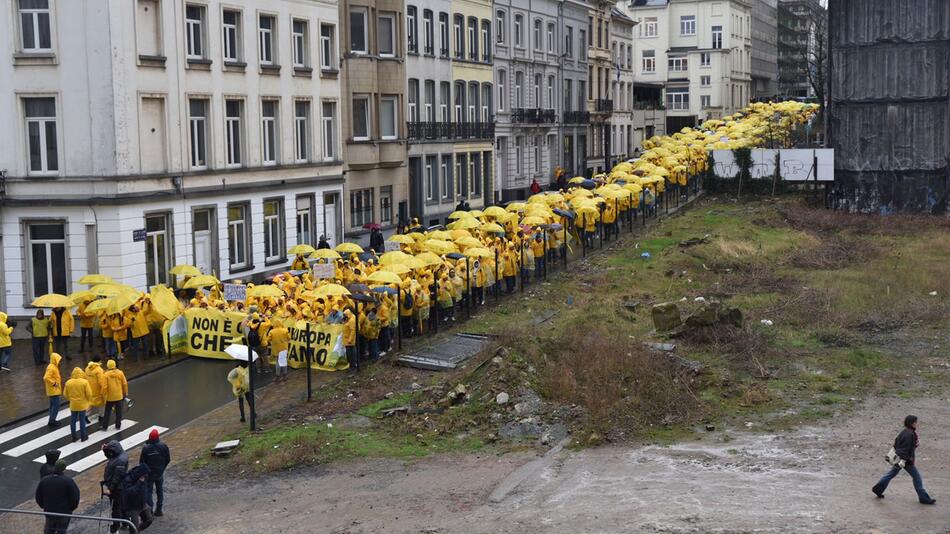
500	22
537	34
233	117
717	36
678	64
550	92
486	41
445	100
428	35
705	81
360	118
519	92
537	153
446	176
412	95
473	39
231	30
42	147
198	132
238	246
386	205
568	94
267	24
519	38
329	131
444	34
582	49
475	172
194	31
361	207
157	249
629	57
705	58
359	40
411	30
569	42
461	175
429	106
677	98
649	27
269	132
46	258
582	93
301	131
35	35
305	219
387	117
459	37
327	46
705	101
649	61
301	40
550	38
537	90
688	25
430	177
486	103
273	231
502	97
472	102
519	160
386	34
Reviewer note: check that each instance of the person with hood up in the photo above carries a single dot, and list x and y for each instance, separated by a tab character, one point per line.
117	464
299	263
278	338
135	493
94	374
156	456
376	242
51	456
322	243
57	494
79	395
54	387
62	324
239	379
115	388
39	329
6	343
87	321
905	446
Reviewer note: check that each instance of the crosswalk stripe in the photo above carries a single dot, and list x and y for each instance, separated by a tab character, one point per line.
25	429
95	437
98	457
35	443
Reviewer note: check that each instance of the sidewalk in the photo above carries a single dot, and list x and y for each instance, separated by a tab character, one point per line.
21	390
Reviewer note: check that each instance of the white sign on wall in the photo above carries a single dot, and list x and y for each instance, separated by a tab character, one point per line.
324	270
235	292
795	164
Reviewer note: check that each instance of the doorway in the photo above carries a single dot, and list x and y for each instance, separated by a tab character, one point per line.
331	218
204	240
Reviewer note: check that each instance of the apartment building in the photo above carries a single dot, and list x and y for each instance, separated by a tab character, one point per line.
373	74
146	133
600	72
797	24
527	58
764	68
572	27
699	51
621	86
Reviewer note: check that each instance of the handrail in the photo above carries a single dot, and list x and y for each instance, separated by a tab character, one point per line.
131	525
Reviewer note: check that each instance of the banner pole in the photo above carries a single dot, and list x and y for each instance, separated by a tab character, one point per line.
309	371
250	381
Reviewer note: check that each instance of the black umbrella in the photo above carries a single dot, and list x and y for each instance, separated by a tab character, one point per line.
436	227
358	288
552	226
455	256
588	184
361	297
366	256
564	213
385	289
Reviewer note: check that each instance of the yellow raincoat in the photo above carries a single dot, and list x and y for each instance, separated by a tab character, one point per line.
77	391
51	378
114	384
94	374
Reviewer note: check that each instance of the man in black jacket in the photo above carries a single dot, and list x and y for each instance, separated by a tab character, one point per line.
905	446
156	456
58	494
117	463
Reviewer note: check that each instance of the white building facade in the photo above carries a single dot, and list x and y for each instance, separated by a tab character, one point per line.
149	133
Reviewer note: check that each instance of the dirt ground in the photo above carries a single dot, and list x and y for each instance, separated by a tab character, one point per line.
814	479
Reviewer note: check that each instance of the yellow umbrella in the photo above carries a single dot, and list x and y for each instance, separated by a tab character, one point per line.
533	220
98	305
460	233
459	215
469	241
479	252
265	290
302	249
349	248
396	268
384	277
576	180
53	300
203	280
110	290
184	270
464	224
476	213
515	206
429	258
440	234
492	227
402	239
325	253
395	256
121	302
439	246
414	263
93	279
330	290
416	236
495	211
81	296
164	301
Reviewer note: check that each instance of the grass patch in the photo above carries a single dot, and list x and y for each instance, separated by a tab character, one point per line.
374	410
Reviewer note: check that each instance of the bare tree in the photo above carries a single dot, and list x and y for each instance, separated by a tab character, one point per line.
813	52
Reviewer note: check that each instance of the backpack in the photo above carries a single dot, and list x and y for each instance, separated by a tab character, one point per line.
253	338
408	302
134	490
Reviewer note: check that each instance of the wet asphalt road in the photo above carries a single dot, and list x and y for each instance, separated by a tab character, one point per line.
168	398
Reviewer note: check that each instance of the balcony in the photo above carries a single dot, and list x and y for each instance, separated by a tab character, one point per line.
603	105
533	116
433	131
576	117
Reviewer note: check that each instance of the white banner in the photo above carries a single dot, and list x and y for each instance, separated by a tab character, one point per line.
795	164
391	246
324	270
235	292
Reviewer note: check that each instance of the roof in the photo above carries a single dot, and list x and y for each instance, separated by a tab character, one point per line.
649	3
617	14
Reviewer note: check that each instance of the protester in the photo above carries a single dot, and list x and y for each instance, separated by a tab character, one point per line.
239	379
121	324
139	331
116	389
6	343
61	322
117	464
108	336
156	456
905	446
376	242
51	456
57	494
54	388
323	244
79	395
94	375
278	338
39	330
87	321
299	263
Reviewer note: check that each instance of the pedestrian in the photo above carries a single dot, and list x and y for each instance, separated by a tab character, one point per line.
48	468
156	456
87	320
6	343
299	263
278	338
252	333
57	494
61	322
537	248
108	336
138	331
535	187
121	326
135	492
376	242
115	388
94	374
79	395
238	377
39	330
117	464
54	387
905	446
323	242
